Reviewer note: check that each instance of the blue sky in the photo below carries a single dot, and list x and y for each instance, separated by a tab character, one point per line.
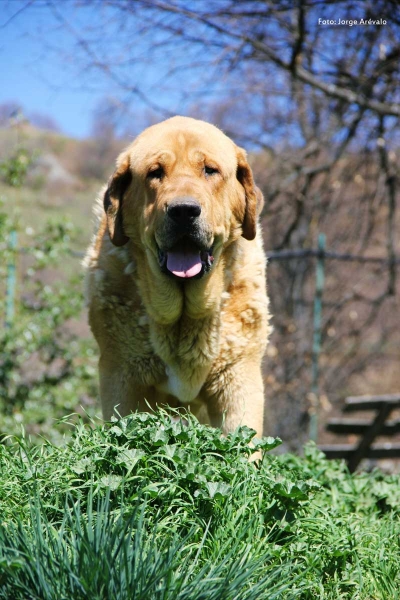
46	70
42	70
37	77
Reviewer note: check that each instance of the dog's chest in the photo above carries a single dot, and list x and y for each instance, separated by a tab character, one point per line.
188	349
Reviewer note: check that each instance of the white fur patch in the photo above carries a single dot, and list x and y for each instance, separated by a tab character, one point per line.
183	390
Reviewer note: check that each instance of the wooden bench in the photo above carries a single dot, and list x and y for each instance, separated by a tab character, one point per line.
369	430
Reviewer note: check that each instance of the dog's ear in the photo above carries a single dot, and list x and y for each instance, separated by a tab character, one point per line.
113	200
253	196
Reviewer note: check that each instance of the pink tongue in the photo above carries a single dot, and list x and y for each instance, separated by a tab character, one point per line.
184	264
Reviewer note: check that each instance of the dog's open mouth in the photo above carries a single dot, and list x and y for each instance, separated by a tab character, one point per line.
185	260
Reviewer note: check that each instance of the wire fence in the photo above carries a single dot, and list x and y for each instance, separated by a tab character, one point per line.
321	255
327	255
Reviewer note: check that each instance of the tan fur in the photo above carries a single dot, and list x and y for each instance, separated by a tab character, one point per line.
197	342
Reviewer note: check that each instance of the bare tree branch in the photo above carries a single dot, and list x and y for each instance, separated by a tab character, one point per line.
330	89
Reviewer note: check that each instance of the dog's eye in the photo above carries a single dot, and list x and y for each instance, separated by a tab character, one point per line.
210	171
157	173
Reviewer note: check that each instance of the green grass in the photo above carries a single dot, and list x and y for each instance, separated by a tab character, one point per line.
151	508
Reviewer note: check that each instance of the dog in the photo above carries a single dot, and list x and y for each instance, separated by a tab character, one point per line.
175	278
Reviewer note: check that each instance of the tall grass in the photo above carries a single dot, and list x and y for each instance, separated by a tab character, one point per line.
154	508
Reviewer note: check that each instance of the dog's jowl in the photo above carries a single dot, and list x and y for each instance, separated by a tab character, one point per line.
176	278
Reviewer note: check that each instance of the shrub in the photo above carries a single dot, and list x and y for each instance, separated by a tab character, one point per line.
46	370
14	169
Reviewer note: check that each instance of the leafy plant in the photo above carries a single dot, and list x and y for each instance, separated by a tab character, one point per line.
159	506
13	170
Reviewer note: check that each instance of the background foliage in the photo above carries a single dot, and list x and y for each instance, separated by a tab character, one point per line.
46	370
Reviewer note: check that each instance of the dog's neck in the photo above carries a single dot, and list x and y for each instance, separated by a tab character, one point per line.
171	302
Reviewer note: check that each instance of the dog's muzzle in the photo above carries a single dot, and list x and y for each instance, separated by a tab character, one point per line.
185	251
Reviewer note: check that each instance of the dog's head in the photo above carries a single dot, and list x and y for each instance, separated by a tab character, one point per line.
182	192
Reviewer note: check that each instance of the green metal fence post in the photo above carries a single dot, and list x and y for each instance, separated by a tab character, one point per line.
316	348
11	280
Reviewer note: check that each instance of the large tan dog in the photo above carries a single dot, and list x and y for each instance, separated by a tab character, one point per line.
176	278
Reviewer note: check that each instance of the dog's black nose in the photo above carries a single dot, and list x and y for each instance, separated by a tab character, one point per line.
184	210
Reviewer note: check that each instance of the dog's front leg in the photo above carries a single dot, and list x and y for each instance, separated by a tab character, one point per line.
235	396
120	393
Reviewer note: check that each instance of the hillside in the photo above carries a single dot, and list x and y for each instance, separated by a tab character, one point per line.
63	179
